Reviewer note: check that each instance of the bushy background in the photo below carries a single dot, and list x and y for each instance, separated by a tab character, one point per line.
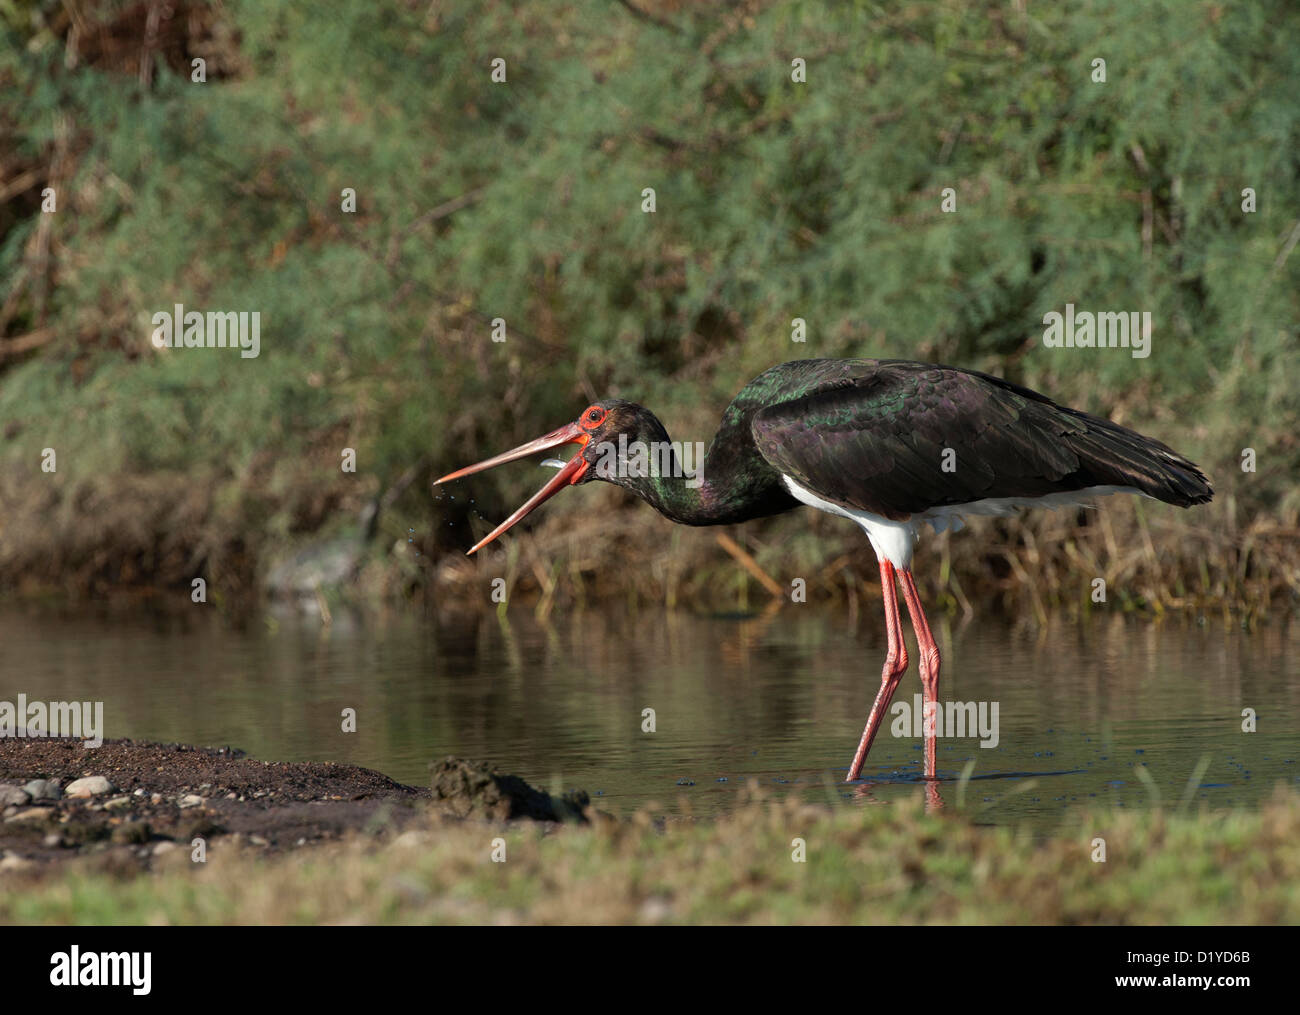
522	200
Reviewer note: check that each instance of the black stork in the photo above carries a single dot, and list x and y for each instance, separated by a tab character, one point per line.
887	443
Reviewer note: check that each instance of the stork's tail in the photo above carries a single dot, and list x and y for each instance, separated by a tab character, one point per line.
1122	457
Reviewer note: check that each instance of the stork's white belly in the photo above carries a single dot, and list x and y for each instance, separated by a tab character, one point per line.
895	541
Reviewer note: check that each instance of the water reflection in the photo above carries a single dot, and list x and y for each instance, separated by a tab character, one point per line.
779	697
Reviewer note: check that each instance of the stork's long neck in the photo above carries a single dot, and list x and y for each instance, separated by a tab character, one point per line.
733	484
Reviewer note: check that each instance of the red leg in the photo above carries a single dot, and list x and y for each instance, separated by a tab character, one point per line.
928	664
895	667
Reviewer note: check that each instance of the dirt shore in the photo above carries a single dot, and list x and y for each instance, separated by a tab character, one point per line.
144	799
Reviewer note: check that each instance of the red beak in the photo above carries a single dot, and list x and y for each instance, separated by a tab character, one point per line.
570	433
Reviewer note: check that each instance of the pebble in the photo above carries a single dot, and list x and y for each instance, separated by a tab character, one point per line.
190	800
32	814
13	796
166	846
43	789
92	785
54	840
117	803
14	862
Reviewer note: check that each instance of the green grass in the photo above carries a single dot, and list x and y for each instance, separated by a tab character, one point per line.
881	864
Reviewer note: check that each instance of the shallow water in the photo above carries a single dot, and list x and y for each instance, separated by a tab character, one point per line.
779	698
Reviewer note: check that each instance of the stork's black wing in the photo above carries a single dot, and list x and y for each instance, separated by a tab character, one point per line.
872	434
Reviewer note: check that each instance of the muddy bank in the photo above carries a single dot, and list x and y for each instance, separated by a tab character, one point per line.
129	801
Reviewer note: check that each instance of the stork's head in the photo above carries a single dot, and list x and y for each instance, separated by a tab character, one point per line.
597	432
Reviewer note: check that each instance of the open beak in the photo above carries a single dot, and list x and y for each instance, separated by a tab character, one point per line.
570	433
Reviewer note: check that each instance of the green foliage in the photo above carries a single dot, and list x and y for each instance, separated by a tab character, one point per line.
775	200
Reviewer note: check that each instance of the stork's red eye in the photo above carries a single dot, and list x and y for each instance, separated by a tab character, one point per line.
593	416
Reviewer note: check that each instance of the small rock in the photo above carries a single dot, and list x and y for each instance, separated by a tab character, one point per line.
190	800
43	789
54	841
31	814
139	792
117	803
166	846
92	785
14	862
13	796
474	789
257	840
